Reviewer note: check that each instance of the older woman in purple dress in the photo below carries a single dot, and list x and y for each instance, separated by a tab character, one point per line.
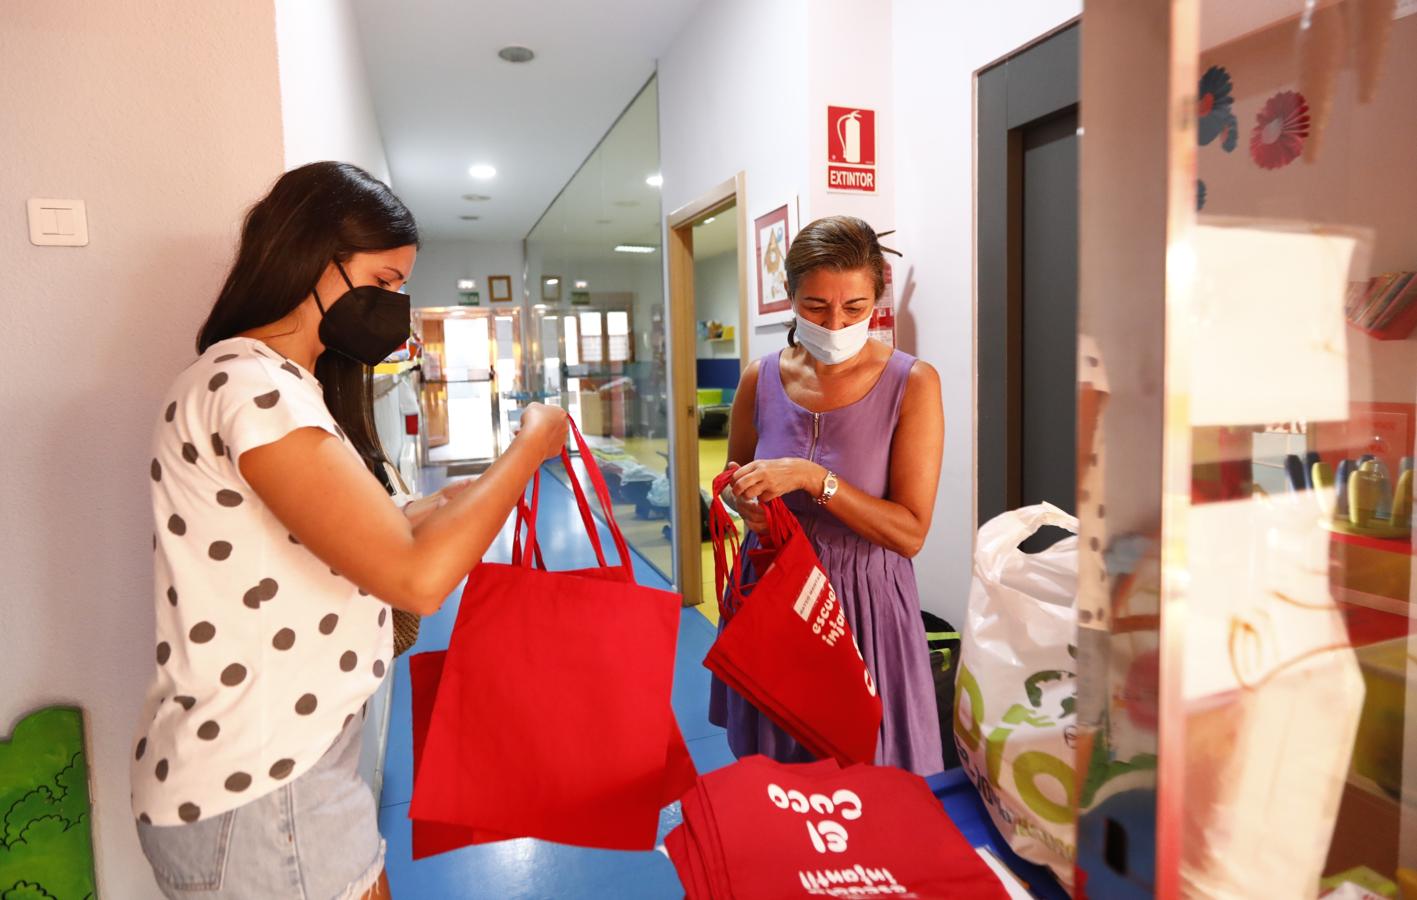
850	434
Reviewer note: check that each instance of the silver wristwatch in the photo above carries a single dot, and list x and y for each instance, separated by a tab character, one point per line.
828	489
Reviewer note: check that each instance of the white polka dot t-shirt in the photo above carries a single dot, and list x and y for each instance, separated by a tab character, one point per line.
263	653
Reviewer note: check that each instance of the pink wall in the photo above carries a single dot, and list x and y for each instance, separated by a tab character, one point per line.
164	116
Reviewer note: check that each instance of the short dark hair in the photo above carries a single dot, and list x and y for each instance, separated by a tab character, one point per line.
313	214
839	243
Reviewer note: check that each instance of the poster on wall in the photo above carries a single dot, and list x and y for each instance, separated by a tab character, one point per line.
772	232
851	150
500	287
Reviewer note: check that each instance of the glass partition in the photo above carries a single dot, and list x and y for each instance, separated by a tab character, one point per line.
595	280
1298	637
1248	383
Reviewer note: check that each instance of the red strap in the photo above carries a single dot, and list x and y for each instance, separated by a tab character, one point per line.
782	524
727	547
529	514
602	493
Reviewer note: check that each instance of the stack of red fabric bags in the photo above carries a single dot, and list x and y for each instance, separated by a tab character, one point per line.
763	830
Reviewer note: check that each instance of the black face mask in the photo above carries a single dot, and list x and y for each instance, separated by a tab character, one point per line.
366	324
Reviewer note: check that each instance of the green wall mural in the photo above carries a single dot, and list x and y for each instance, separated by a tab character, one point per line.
46	852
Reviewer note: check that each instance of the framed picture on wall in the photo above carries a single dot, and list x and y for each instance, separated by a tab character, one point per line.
551	289
500	288
771	233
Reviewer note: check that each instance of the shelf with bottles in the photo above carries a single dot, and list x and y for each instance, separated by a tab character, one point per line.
1366	502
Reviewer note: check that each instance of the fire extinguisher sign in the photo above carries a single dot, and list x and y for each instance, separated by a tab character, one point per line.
851	150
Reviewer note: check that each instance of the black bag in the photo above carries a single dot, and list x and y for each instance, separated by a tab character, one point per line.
944	642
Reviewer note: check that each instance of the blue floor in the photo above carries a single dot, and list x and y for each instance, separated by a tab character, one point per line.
527	868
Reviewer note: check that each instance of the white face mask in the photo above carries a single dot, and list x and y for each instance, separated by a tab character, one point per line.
833	347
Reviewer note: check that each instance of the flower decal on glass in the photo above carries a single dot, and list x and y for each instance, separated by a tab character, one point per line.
1215	108
1280	130
1200	195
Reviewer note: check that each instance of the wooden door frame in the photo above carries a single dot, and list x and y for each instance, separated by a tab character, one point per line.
683	373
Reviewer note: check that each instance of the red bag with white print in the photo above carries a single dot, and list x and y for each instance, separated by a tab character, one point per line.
786	646
763	830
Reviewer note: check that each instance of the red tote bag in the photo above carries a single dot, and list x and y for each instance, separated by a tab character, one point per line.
786	646
552	715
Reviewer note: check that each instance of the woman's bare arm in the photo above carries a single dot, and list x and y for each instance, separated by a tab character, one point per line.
329	502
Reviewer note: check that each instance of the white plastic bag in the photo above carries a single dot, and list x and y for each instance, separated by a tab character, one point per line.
1016	688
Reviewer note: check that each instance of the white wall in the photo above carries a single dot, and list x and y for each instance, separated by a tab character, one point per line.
441	263
716	300
849	64
937	48
164	116
326	107
733	96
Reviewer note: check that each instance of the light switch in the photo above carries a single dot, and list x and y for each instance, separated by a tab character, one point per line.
58	223
63	222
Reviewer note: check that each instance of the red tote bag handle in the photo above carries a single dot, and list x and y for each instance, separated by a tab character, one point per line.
727	545
726	550
526	516
602	492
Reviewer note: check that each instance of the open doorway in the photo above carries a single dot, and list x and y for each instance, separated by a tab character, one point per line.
708	318
472	360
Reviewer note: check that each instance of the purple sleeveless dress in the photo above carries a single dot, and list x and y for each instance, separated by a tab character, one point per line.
876	586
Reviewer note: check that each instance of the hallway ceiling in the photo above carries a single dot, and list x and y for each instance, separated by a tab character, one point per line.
445	101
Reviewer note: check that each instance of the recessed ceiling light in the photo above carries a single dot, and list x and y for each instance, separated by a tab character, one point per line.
709	220
634	248
627	204
655	180
605	221
476	198
515	54
469	218
482	171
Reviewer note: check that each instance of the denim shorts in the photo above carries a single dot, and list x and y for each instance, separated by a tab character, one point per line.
316	838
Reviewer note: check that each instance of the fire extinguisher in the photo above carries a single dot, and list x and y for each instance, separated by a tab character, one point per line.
848	132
